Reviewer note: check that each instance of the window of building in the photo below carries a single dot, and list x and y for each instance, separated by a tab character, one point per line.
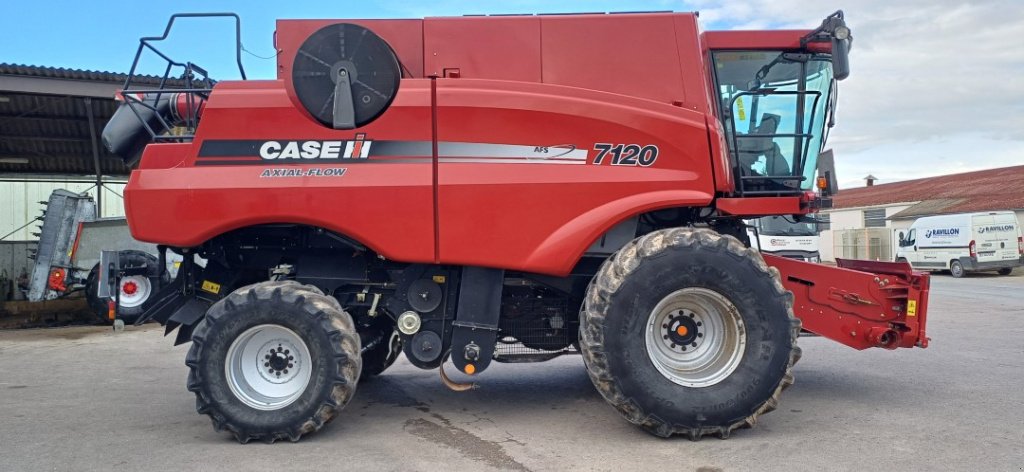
874	218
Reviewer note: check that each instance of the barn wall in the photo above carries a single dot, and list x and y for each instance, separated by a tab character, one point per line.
19	203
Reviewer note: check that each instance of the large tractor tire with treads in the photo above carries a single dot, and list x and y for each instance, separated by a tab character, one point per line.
687	331
273	360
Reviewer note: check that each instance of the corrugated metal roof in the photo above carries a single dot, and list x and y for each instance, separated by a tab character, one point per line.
71	74
51	131
984	190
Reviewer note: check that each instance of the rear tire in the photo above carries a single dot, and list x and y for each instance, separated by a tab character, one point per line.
1006	271
956	269
681	276
257	390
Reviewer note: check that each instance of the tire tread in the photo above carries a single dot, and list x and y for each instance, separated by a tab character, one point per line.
608	280
332	320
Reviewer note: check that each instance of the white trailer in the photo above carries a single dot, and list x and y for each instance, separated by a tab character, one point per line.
962	243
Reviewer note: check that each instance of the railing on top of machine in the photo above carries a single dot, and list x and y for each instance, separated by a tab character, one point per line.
194	84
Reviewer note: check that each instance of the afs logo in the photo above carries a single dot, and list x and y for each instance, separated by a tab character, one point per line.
358	148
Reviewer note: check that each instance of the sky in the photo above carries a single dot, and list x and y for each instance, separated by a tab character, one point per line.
937	86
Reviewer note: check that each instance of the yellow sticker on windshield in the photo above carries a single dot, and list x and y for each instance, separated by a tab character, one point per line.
739	109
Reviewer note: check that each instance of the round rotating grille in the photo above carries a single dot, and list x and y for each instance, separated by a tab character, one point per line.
370	63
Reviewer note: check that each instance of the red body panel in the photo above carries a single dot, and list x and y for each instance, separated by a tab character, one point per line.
540	218
388	206
558	81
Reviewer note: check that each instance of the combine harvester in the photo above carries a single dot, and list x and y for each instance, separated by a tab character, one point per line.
510	189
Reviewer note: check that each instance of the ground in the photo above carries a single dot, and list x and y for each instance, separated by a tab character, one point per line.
86	398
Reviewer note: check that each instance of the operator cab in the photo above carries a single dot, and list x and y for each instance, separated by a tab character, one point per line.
774	106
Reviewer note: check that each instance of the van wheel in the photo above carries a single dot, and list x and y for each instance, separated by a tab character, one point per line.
956	269
1006	271
902	260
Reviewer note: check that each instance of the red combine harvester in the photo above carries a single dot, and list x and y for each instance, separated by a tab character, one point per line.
506	188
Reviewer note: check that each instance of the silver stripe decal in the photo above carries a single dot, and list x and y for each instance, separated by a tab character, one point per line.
506	160
509	151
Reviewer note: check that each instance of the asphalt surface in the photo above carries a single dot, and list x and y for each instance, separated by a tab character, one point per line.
87	398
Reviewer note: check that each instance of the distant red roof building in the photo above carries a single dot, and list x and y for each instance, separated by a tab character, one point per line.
984	190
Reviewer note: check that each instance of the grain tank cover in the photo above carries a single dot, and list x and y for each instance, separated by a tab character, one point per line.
345	75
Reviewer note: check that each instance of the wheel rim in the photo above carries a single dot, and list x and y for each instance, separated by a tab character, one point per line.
695	337
268	367
135	290
956	269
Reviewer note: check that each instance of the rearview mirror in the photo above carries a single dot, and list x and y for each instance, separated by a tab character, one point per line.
827	172
841	56
834	29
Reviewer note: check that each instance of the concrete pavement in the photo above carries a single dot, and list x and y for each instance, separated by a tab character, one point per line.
86	398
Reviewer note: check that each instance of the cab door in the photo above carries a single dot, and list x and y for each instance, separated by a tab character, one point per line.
908	247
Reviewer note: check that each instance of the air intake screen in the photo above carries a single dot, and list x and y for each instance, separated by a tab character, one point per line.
370	64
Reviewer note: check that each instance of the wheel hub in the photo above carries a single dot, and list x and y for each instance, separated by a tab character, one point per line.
278	360
682	330
267	367
695	337
135	290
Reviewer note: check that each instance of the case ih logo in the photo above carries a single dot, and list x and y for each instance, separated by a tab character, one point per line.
944	232
358	148
994	229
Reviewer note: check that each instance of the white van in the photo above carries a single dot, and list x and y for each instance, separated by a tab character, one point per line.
962	243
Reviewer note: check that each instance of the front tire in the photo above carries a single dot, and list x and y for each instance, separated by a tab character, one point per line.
273	360
687	331
1006	271
956	269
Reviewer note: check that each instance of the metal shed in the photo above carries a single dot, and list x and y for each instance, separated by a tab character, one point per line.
50	125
